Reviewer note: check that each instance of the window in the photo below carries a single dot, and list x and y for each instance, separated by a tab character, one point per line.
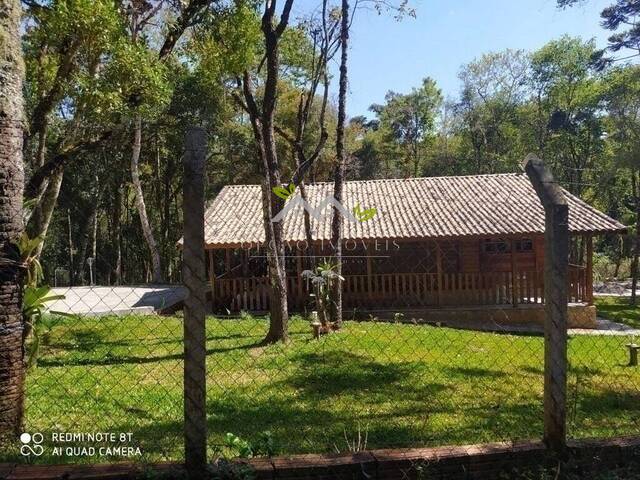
494	246
524	245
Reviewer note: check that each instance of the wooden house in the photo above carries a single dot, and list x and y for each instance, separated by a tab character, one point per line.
473	243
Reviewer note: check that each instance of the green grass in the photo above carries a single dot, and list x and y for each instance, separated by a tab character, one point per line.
399	385
618	310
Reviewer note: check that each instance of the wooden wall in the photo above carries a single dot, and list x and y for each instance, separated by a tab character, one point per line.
474	259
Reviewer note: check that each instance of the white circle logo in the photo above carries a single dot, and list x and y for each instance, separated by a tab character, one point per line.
31	444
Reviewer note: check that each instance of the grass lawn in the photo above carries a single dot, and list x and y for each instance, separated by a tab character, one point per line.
618	310
398	385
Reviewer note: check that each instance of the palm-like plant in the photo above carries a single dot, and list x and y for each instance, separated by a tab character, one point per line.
322	278
35	299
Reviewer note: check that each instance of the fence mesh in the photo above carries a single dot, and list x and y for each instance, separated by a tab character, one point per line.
441	344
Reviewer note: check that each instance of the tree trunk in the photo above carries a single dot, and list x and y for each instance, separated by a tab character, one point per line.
12	368
117	237
636	239
87	233
309	261
262	123
40	219
337	220
140	206
278	308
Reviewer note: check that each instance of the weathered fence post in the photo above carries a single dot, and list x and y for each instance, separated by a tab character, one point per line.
193	274
556	264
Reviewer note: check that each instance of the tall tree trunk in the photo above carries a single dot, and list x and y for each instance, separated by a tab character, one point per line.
309	261
116	239
279	322
636	238
337	220
85	238
12	368
140	206
278	308
71	250
40	219
262	124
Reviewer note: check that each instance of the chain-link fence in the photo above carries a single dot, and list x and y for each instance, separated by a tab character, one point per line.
441	341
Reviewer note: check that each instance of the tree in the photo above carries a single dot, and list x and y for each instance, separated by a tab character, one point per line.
262	118
73	48
493	88
321	35
617	16
341	158
63	47
140	15
11	224
409	121
567	95
622	99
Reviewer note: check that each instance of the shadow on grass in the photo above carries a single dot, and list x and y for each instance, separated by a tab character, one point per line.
604	412
110	359
475	372
618	309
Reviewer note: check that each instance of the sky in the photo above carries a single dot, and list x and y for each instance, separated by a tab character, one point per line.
389	55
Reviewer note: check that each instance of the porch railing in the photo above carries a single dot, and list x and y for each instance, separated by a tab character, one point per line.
405	290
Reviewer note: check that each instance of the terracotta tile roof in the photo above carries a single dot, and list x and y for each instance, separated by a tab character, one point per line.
434	207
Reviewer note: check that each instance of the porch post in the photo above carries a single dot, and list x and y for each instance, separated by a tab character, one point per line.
227	260
439	273
299	295
369	276
514	293
212	278
245	267
589	272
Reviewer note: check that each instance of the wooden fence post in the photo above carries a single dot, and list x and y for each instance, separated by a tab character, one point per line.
193	274
556	267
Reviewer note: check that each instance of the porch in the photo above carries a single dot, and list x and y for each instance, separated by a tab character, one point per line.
477	272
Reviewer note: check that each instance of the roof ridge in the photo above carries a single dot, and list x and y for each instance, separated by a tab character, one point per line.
379	180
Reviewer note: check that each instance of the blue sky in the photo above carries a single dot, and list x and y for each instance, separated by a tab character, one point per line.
390	55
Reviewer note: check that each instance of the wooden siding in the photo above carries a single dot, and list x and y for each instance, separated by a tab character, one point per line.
465	275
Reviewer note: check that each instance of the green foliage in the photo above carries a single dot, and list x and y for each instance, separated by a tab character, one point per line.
134	81
35	298
227	43
364	215
322	279
36	323
28	248
73	35
284	193
604	268
236	447
407	121
622	99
